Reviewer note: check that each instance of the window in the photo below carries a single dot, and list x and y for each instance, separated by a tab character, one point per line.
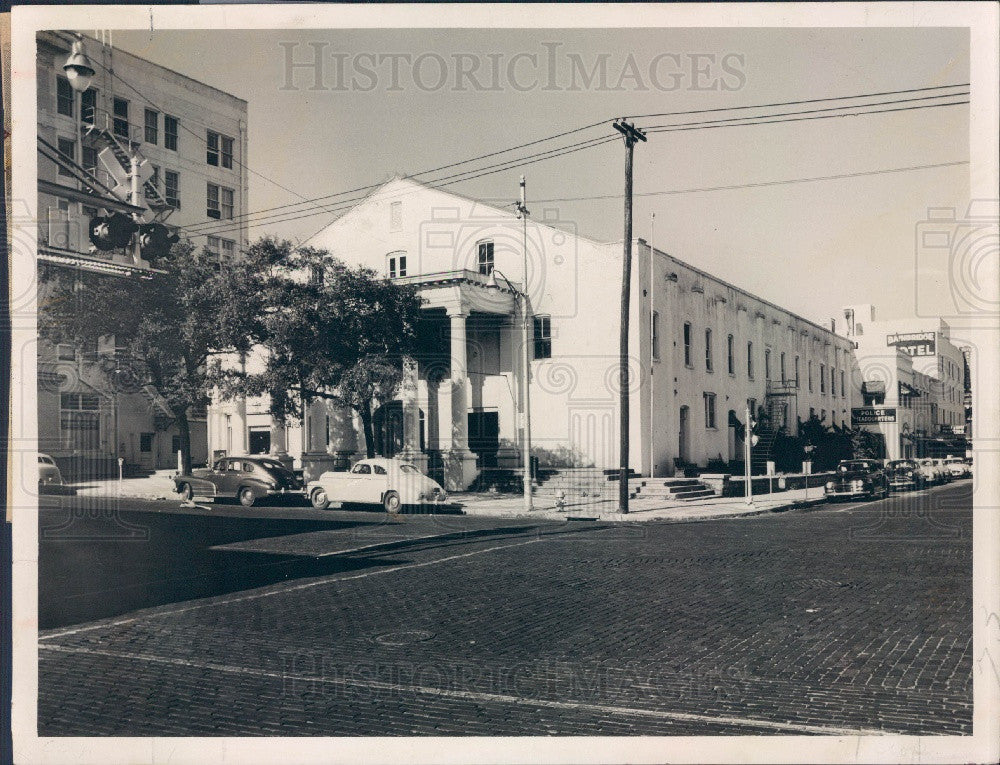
484	258
89	159
654	332
171	188
859	329
227	151
378	470
822	378
79	421
767	364
543	337
687	343
833	381
152	126
316	276
227	203
228	249
395	264
781	363
843	393
169	132
213	201
67	150
214	245
710	411
362	468
120	125
730	356
796	371
88	106
64	96
146	442
809	369
212	153
750	360
708	350
153	184
395	216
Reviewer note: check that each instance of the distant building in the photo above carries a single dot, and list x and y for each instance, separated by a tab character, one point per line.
193	138
910	368
702	350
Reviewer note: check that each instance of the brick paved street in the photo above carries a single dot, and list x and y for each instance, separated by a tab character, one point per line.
845	618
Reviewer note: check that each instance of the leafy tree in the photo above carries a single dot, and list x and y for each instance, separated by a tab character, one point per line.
328	331
167	326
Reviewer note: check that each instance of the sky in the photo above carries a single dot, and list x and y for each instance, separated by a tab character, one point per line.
811	246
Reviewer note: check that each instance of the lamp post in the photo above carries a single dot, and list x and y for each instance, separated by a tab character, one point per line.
80	72
524	408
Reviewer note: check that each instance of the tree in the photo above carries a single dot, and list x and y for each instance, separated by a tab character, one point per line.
167	326
328	331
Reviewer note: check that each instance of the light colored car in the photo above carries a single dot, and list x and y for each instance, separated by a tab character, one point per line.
931	469
48	472
957	467
946	475
382	481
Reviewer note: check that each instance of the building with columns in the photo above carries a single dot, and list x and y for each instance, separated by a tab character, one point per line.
702	350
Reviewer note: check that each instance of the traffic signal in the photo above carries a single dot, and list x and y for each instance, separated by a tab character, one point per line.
155	241
112	232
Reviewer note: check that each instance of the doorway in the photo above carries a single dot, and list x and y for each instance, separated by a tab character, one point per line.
684	435
260	440
484	437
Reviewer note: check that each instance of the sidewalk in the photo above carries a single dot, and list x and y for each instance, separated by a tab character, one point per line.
159	485
507	506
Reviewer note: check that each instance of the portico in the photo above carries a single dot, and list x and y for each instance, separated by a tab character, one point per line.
465	344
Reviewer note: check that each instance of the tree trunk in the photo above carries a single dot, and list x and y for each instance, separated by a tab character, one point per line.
366	422
184	432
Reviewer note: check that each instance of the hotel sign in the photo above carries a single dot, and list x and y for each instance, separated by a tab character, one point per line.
913	343
867	415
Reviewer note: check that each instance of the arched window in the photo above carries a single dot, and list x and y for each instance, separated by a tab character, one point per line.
395	264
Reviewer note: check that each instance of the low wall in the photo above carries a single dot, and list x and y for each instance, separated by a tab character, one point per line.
733	486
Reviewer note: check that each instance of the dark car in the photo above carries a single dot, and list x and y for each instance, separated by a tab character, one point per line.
247	479
858	478
904	475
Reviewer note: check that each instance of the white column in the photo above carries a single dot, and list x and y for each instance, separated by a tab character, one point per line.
411	415
460	463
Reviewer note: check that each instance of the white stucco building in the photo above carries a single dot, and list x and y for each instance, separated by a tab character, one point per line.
701	349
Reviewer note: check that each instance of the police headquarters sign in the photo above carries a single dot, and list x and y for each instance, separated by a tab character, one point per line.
866	415
913	343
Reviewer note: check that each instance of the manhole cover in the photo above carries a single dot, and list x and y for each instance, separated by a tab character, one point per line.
403	638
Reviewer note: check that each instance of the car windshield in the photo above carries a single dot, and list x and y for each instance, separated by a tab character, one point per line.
271	465
408	469
851	467
902	464
42	460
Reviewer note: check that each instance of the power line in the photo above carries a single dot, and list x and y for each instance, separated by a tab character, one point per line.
839	176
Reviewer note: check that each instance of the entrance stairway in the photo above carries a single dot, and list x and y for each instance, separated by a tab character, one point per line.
684	489
593	482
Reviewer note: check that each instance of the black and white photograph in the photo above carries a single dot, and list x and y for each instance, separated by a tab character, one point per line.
504	383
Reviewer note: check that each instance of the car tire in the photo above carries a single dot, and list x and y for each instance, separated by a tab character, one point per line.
186	492
246	496
319	499
391	502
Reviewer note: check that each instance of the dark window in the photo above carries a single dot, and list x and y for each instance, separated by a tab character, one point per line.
64	97
362	469
655	335
152	126
145	442
90	158
543	337
750	360
316	276
485	258
227	203
121	117
687	343
67	149
709	410
171	188
153	184
842	391
378	470
708	350
212	153
781	361
730	356
213	201
767	364
170	132
227	151
822	378
395	264
88	106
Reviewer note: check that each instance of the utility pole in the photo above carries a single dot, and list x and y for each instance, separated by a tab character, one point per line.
522	213
747	445
631	135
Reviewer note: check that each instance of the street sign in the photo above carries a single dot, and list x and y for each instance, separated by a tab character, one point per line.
867	415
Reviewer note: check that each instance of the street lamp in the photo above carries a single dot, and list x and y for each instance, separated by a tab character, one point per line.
525	406
80	72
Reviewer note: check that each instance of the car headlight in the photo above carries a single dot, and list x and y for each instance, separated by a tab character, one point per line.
829	485
857	484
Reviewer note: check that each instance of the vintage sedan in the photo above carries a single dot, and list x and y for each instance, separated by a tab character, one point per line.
904	475
946	476
957	467
930	468
858	478
391	483
247	479
48	473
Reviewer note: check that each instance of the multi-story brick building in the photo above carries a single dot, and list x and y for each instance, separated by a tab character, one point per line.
192	139
702	349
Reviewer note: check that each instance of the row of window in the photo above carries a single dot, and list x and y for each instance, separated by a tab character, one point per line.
219	147
731	360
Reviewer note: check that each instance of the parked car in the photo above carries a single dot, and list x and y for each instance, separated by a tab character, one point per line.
957	467
946	476
858	478
48	472
247	479
932	469
904	475
388	482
